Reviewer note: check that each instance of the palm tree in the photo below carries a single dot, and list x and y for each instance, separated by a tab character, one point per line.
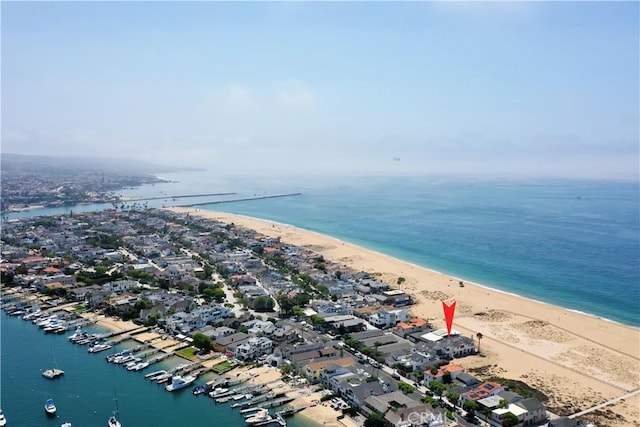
479	336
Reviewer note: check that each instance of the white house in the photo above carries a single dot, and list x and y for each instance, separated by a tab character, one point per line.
386	319
252	348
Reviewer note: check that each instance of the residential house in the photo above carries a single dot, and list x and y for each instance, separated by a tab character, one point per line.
221	343
483	390
417	324
313	370
451	369
388	318
250	349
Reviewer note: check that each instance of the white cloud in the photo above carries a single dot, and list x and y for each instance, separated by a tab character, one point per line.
295	95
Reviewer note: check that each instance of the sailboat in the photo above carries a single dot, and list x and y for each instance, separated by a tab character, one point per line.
114	420
54	372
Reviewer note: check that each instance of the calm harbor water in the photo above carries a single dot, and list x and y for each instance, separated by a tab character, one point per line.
84	396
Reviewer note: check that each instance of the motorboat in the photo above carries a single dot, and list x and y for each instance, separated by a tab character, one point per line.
114	420
50	407
178	382
96	348
261	416
3	420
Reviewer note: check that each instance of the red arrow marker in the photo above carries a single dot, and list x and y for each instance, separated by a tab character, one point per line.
449	310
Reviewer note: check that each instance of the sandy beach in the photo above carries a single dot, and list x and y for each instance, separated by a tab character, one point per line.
577	360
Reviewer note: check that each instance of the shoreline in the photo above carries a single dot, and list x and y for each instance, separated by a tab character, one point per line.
577	359
199	212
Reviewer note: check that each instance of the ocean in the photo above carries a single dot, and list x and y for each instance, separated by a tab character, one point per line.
84	396
575	244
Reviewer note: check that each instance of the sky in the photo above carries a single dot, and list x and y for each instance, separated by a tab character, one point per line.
543	89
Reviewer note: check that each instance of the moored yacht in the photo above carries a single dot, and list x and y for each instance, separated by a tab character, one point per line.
96	348
260	416
178	382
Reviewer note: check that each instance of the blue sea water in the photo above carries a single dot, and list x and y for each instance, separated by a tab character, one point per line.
84	396
574	244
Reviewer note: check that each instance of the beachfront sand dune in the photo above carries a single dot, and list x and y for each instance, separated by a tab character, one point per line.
577	360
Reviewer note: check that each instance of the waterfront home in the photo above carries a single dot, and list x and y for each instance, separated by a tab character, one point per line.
313	370
251	348
454	345
221	343
481	391
528	412
42	281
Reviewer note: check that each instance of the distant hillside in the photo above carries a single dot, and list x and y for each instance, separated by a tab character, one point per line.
23	163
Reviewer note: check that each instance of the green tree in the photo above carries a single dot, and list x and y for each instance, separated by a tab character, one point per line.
429	400
375	420
479	336
471	407
504	403
509	419
263	303
446	377
202	341
453	397
406	388
437	387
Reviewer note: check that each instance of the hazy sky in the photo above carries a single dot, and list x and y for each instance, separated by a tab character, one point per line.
540	88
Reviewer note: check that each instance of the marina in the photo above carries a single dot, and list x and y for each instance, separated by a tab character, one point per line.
77	400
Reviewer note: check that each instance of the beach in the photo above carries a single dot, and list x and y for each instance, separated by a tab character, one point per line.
577	360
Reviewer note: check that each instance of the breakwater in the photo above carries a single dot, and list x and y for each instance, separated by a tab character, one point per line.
246	199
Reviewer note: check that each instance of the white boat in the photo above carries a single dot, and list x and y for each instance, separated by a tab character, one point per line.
76	334
114	420
260	416
3	420
50	407
153	375
179	382
53	372
65	425
140	366
96	348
